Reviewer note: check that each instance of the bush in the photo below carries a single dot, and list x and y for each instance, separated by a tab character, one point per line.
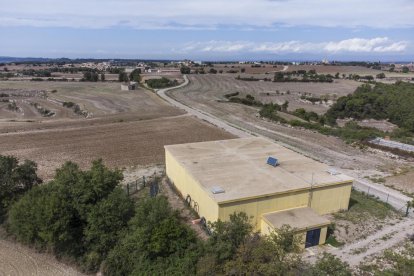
80	214
15	180
161	83
157	243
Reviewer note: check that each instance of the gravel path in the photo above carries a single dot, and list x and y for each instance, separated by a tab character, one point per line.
386	238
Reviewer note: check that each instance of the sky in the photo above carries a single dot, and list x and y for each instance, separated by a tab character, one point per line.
368	30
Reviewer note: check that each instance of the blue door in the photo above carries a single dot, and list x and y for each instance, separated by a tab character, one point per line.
312	237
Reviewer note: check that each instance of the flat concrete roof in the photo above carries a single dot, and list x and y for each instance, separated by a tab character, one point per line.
298	218
238	166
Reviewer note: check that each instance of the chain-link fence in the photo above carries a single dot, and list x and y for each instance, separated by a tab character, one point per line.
139	184
396	200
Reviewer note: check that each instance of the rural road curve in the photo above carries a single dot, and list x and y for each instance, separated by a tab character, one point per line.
200	114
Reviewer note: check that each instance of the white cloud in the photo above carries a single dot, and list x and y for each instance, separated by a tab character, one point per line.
355	45
201	14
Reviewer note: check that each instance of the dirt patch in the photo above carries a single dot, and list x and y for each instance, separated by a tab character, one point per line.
178	203
365	216
19	260
378	124
402	181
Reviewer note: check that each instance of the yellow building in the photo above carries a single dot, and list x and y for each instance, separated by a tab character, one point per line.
223	177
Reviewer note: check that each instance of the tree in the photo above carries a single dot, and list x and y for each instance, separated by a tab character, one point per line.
380	76
328	265
157	243
122	77
185	70
135	75
405	69
228	235
79	214
285	106
15	179
274	254
105	224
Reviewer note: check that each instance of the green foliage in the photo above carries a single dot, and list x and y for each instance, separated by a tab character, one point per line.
229	95
15	180
157	243
135	75
363	207
80	214
403	262
275	254
270	111
161	83
123	77
329	265
307	116
383	101
405	69
12	106
302	76
248	100
185	70
90	76
380	76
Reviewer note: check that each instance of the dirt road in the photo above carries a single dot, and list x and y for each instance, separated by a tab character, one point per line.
200	114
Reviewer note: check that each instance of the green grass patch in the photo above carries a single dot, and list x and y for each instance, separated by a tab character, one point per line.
333	241
363	207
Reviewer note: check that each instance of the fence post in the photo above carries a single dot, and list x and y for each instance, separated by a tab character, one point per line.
368	190
136	185
144	180
388	195
128	189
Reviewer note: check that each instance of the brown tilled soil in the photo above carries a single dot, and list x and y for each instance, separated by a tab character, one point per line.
402	181
17	260
118	144
126	128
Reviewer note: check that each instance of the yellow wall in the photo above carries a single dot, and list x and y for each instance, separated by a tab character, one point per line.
265	228
331	199
256	207
187	185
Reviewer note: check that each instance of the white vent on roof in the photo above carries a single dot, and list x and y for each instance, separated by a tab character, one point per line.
217	190
332	171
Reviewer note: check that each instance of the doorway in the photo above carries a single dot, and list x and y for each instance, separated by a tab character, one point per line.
312	237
